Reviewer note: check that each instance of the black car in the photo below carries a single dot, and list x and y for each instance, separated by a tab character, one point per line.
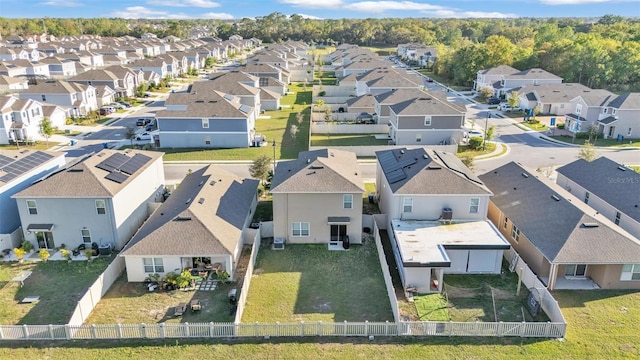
493	101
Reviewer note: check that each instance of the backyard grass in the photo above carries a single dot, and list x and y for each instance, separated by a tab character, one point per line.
277	127
346	140
599	141
464	150
327	78
367	207
38	145
132	303
468	298
264	210
59	284
310	283
442	80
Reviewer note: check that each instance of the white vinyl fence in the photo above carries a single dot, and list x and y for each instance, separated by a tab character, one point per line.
391	293
370	150
94	294
247	278
325	128
240	330
531	281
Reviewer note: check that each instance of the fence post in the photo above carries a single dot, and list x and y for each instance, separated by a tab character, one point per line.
211	329
386	327
320	328
94	332
187	329
450	328
547	329
162	331
523	329
255	330
302	328
345	328
1	333
51	332
366	327
500	329
119	330
25	332
67	333
278	328
143	330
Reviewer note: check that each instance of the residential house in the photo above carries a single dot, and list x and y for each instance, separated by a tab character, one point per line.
206	120
317	199
10	84
550	98
105	95
269	100
265	70
101	199
568	244
18	170
610	188
33	69
9	54
20	119
121	72
156	65
361	104
204	221
436	211
503	79
56	114
123	86
620	117
12	70
273	84
586	110
59	68
80	98
381	80
234	83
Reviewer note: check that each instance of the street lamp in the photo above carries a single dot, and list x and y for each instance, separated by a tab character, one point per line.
486	128
274	156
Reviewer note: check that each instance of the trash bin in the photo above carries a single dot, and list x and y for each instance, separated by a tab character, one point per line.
73	142
371	198
105	145
345	243
232	296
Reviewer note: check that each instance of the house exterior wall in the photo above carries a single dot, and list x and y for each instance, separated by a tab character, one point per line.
222	133
315	208
418	277
608	277
135	265
270	104
58	118
130	204
627	124
604	208
426	137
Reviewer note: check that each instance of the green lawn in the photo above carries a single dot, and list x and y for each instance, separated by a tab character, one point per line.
600	142
535	126
464	150
311	283
328	78
39	145
264	210
346	140
132	303
276	127
59	284
432	307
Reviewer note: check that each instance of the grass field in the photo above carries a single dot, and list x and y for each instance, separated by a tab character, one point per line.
466	151
346	140
276	127
310	283
535	126
39	145
59	284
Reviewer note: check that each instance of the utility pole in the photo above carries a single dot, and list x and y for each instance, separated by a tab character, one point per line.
486	127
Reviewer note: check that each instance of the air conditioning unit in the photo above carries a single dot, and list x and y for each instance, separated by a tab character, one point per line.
278	244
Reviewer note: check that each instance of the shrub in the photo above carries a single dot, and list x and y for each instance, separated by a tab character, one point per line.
88	253
65	254
322	93
44	254
27	246
560	126
19	253
475	142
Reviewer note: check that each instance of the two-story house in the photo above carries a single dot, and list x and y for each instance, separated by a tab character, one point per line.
585	110
436	211
564	241
503	79
608	187
102	199
79	97
156	65
382	80
18	170
124	87
33	69
19	119
317	199
234	83
205	119
620	117
59	68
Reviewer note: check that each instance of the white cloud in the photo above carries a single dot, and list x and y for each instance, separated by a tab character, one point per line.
141	12
453	13
64	3
382	6
217	16
578	2
184	3
305	16
315	4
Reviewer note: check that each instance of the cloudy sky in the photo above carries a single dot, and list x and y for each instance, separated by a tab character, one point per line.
323	9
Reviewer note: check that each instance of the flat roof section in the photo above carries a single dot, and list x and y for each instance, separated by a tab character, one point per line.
424	243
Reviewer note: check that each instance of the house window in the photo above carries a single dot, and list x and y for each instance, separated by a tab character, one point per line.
474	204
614	111
101	207
578	109
604	110
630	272
32	207
575	270
427	120
505	222
407	205
44	97
586	197
153	265
347	201
418	137
86	236
617	219
207	140
515	233
629	132
205	123
299	229
561	106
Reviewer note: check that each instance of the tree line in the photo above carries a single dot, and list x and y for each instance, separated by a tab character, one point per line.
599	53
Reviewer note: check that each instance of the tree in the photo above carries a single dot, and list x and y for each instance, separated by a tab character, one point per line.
209	61
260	167
475	143
513	99
293	130
140	90
592	131
485	92
327	114
267	184
588	152
130	134
46	129
490	132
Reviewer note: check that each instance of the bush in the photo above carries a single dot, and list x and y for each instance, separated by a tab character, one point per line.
27	246
560	126
475	143
322	93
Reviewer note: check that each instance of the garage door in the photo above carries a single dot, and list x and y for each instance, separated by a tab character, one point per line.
482	261
458	261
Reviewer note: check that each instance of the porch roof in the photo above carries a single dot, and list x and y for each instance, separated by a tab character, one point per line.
40	227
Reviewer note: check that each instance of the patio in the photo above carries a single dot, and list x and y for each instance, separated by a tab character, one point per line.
563	283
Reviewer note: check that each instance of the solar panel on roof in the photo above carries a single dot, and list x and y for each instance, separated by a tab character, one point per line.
245	109
228	96
4	160
113	162
117	177
21	166
396	175
406	162
134	164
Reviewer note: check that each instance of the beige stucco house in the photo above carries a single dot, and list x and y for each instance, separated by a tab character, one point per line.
317	198
568	244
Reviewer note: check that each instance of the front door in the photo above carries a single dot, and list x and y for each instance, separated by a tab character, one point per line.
45	240
611	130
338	232
575	270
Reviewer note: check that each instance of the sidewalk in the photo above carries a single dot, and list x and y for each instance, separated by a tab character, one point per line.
494	154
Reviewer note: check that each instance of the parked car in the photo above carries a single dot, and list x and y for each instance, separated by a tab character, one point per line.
117	106
146	95
143	121
147	135
429	80
124	103
506	107
472	133
105	111
493	101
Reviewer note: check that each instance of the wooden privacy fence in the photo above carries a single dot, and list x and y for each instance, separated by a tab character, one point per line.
247	330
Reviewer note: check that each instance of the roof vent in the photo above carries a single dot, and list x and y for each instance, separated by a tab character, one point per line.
425	156
401	151
554	197
213	182
590	225
183	218
201	200
201	182
622	168
188	201
308	161
525	175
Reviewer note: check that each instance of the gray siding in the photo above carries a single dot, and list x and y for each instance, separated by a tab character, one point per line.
195	125
198	140
437	122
